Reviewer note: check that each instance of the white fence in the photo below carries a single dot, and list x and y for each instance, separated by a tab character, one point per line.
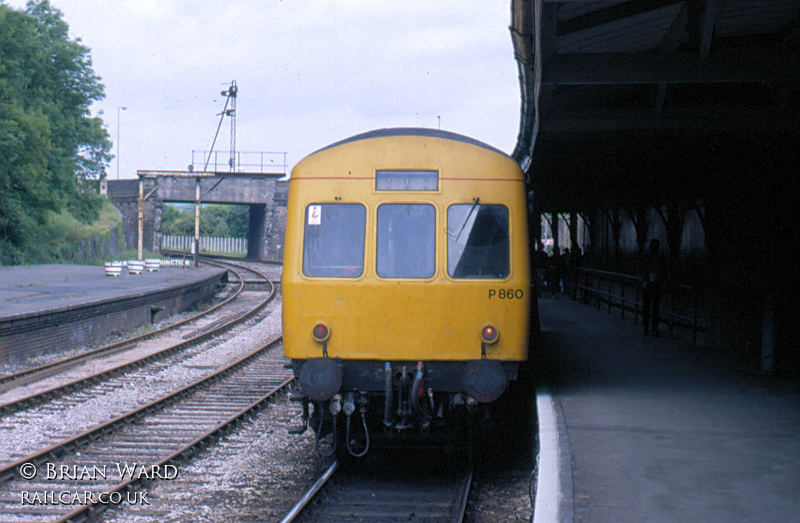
207	245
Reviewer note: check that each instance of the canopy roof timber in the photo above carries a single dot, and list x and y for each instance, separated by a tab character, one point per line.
616	94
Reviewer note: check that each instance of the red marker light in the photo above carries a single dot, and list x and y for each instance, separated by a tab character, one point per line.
489	334
320	332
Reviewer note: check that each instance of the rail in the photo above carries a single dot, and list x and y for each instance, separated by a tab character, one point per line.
230	408
679	305
412	488
195	337
309	495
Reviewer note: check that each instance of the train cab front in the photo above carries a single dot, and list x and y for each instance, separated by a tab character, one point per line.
405	286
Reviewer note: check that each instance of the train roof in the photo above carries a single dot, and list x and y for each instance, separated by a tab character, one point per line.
413	131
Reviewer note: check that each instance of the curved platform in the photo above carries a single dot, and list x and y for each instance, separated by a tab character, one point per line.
47	308
649	429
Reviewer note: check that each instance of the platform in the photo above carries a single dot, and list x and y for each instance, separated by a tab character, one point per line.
649	429
46	308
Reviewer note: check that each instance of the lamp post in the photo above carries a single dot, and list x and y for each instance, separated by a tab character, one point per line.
118	115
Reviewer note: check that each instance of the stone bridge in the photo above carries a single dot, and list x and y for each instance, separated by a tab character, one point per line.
265	195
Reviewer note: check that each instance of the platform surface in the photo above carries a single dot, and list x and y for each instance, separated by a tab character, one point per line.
39	288
651	430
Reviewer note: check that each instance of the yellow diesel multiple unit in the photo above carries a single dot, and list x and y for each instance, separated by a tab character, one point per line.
406	283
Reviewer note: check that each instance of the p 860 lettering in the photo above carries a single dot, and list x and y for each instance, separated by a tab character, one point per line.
506	294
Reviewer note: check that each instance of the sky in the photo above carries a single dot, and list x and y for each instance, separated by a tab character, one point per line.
309	73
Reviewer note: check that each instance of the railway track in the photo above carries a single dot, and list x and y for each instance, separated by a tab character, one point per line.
39	373
61	403
111	462
9	381
394	489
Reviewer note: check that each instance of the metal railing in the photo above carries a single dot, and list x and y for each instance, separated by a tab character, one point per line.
679	304
266	162
207	245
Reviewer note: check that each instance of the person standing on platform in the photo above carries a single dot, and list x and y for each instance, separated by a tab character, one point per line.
539	261
651	273
552	271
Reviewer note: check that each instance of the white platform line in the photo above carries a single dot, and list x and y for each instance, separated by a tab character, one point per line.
548	483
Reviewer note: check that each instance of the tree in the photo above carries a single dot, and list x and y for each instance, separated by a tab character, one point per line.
225	221
49	143
177	222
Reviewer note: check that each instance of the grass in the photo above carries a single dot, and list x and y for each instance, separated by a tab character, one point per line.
64	233
64	227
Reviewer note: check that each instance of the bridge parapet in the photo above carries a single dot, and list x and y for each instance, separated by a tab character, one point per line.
215	187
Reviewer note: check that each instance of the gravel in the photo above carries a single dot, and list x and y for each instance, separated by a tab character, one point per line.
255	474
25	431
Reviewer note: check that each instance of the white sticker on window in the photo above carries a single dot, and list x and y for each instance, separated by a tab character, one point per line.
314	214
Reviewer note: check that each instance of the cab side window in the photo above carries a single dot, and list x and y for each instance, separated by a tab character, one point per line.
477	241
333	242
